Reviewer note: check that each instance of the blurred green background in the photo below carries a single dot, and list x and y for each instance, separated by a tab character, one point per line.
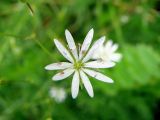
26	47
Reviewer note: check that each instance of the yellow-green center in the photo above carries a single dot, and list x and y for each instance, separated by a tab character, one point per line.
78	65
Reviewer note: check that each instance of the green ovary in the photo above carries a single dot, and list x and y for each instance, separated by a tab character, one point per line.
78	65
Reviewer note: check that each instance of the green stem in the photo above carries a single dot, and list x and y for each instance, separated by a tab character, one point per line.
116	25
26	38
30	8
43	48
10	35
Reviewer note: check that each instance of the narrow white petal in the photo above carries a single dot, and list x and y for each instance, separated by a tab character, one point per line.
108	45
75	85
64	74
58	66
90	53
86	43
114	47
71	43
87	83
63	50
99	52
116	57
99	64
98	76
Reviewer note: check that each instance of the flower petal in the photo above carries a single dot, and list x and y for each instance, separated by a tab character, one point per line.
63	50
98	76
116	57
108	44
71	44
86	43
114	48
90	53
64	74
87	83
58	66
99	64
75	85
99	52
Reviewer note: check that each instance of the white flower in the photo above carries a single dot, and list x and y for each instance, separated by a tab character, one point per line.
58	94
107	52
78	63
124	19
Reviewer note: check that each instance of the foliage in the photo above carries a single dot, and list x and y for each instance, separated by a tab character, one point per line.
26	46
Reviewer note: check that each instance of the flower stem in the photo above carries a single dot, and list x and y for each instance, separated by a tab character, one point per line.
30	8
43	48
116	25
